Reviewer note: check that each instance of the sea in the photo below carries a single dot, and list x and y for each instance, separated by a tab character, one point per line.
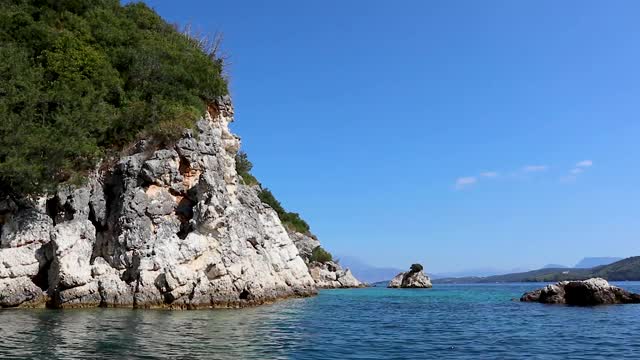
480	321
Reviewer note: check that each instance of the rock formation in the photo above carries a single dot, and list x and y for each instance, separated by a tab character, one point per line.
414	278
590	292
327	275
170	227
330	275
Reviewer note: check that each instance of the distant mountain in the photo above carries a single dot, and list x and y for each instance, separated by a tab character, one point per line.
624	270
368	273
589	262
479	272
555	266
373	274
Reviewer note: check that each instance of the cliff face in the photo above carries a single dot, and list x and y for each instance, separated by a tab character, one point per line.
161	228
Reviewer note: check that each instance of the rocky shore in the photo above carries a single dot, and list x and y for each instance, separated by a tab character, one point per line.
590	292
169	227
327	275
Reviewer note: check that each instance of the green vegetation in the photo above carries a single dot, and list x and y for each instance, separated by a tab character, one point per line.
81	79
623	270
416	268
320	255
243	168
290	220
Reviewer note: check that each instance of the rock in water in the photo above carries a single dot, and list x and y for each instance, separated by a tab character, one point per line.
171	227
411	279
590	292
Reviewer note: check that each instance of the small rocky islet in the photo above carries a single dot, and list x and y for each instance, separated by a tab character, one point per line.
415	278
591	292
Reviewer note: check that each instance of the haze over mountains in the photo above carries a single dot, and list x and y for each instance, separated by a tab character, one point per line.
371	274
624	270
590	262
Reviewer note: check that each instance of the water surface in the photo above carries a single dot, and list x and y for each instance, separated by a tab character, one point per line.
446	322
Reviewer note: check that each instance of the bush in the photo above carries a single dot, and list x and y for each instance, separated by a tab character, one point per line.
291	221
243	168
416	268
80	79
320	255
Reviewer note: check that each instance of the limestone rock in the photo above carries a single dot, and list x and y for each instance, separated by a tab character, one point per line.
330	275
24	227
595	291
168	227
20	291
410	279
304	243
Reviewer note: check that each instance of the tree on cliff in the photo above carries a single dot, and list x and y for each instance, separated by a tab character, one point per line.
81	79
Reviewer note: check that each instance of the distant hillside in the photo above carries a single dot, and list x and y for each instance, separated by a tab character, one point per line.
591	262
555	266
623	270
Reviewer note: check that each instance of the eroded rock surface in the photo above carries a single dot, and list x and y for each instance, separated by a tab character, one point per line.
410	279
328	275
331	275
589	292
169	227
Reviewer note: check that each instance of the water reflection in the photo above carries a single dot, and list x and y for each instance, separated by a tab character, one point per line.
452	322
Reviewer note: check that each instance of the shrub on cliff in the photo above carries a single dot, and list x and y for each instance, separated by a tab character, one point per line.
416	268
80	79
243	168
320	255
290	220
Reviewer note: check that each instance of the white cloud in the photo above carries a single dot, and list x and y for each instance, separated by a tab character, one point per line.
534	168
489	174
465	181
584	163
576	171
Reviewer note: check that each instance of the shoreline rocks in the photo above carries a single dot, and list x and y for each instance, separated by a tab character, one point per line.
328	275
595	291
414	278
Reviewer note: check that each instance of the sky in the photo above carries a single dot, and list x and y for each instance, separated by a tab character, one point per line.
458	134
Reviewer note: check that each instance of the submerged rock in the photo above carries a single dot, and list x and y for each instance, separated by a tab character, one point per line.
170	227
414	278
590	292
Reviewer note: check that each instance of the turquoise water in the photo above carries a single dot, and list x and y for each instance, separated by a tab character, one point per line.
446	322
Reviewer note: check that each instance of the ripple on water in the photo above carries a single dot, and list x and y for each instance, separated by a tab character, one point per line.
446	322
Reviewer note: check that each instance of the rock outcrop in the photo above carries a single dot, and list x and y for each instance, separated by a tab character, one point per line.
331	275
327	275
410	279
590	292
170	227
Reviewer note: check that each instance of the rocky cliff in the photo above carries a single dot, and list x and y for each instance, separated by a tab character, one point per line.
169	227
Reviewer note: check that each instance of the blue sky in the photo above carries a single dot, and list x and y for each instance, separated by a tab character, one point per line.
459	134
